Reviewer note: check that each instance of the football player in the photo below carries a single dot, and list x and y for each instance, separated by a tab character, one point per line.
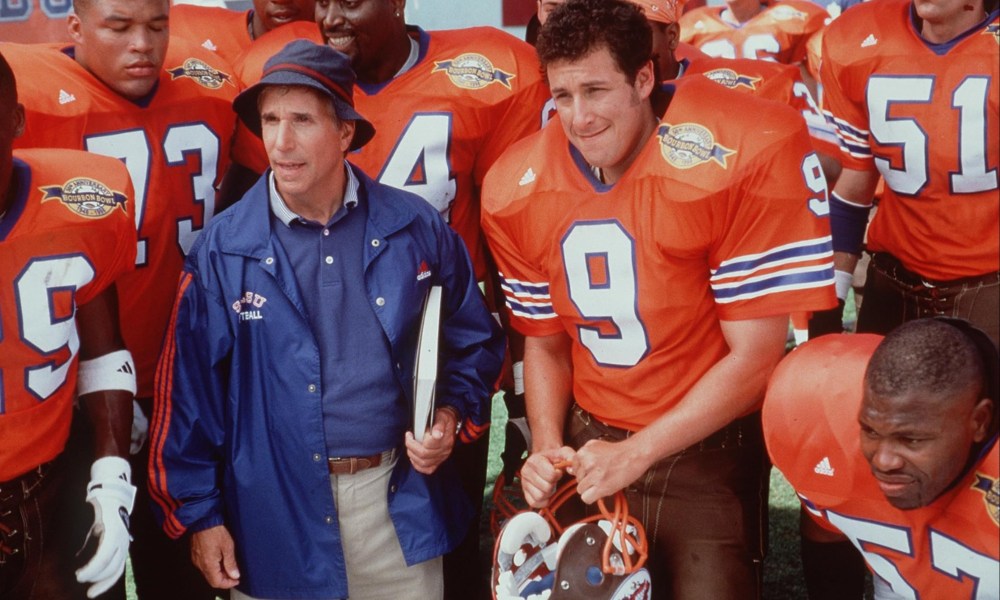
913	87
229	33
165	111
751	29
651	262
891	445
66	236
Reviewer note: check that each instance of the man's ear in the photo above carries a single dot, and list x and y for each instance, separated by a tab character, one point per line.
982	419
645	80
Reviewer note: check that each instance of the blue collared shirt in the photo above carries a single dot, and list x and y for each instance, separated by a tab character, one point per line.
364	411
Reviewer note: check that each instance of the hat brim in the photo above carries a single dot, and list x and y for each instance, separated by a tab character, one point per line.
245	105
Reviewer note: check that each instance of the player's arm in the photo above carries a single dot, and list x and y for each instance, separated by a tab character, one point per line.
850	204
834	569
548	391
731	388
106	386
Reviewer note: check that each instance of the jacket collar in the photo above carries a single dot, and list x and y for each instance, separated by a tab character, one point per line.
250	218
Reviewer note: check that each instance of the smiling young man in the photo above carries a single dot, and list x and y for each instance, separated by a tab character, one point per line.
642	259
283	407
892	446
125	89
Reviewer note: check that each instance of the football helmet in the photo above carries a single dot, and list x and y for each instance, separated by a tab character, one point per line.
598	558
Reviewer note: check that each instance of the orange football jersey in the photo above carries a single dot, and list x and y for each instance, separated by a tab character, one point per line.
771	81
175	145
721	216
219	30
949	549
440	125
34	21
778	33
68	235
928	118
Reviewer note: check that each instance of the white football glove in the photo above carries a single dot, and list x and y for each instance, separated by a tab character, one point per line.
140	429
112	495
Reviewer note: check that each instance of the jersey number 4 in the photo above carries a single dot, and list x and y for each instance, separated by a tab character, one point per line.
420	161
41	326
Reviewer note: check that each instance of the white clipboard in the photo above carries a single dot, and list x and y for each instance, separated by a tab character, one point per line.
425	369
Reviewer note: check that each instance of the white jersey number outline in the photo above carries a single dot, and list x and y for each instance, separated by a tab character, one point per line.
613	299
969	99
947	556
424	148
39	327
132	147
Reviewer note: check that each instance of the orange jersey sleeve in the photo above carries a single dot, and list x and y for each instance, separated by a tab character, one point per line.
697	230
778	33
948	549
175	145
219	30
928	118
67	237
770	81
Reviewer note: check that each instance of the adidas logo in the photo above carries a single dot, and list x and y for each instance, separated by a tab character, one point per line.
126	368
527	178
824	467
66	97
869	41
208	45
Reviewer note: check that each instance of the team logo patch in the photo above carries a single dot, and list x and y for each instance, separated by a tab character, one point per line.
201	72
689	145
993	30
249	305
731	79
784	12
472	72
86	197
991	491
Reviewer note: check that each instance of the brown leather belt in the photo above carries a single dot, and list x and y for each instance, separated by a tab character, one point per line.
353	464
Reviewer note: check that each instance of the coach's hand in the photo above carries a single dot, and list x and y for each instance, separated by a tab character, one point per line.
428	454
111	495
540	476
602	468
214	553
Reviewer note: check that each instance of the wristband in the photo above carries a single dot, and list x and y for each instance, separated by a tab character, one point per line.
848	223
112	371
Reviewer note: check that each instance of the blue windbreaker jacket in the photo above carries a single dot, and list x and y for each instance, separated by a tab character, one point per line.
237	433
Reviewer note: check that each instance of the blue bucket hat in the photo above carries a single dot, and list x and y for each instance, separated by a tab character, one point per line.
308	64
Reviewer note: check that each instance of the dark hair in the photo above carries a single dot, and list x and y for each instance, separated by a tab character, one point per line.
928	355
579	27
8	86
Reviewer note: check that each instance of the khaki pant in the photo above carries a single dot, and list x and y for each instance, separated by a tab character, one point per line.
376	569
